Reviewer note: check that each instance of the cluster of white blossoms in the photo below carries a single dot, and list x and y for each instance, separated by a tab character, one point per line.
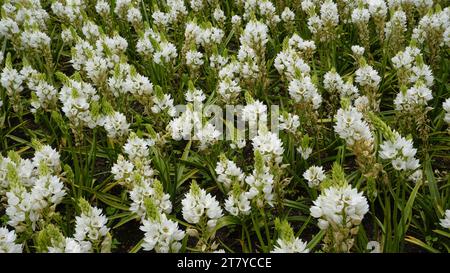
111	72
228	172
446	107
137	175
261	182
435	26
129	10
445	222
290	60
269	145
8	241
322	25
314	175
264	8
191	125
31	188
400	152
44	95
410	67
366	76
333	83
340	210
205	36
351	126
162	235
26	25
238	201
200	207
148	199
77	98
396	26
175	10
417	95
115	124
153	45
287	242
289	122
303	90
90	226
255	35
340	207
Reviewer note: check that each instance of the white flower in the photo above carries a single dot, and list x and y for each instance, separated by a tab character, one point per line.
269	145
228	89
73	246
416	176
367	76
261	185
145	189
396	24
401	152
91	224
134	16
314	175
256	111
445	222
197	204
293	246
47	191
102	7
303	90
417	95
35	40
255	35
236	20
351	127
7	241
287	15
116	125
289	122
422	72
48	157
11	80
163	103
332	82
360	16
194	58
137	148
8	28
237	204
76	98
343	207
219	15
162	235
358	50
122	169
305	152
228	172
195	95
377	8
446	107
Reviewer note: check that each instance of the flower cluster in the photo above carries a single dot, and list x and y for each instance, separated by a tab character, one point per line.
400	152
200	207
287	242
340	210
32	188
351	126
7	241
